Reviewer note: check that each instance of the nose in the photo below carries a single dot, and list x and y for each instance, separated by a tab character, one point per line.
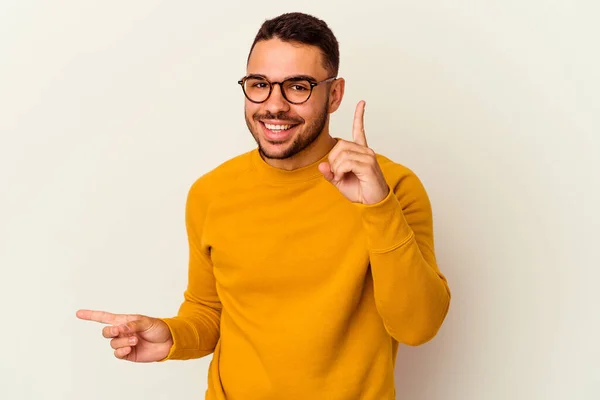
276	102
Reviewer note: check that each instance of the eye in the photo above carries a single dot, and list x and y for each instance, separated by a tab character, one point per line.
256	84
259	85
297	85
299	88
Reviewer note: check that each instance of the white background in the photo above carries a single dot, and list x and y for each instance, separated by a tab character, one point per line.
110	110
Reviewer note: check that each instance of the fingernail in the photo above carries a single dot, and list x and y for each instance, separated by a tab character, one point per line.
132	340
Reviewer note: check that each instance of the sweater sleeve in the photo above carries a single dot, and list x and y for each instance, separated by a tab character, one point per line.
411	294
195	328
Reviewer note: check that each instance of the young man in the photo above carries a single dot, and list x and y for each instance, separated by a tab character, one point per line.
311	257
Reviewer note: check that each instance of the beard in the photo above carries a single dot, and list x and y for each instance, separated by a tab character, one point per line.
304	139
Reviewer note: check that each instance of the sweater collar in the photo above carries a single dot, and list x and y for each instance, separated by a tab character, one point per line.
271	173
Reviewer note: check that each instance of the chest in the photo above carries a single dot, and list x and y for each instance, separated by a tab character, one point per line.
284	239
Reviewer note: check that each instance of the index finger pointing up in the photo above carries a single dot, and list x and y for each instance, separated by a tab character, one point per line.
358	127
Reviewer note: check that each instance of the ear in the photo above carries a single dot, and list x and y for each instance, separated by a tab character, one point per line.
336	94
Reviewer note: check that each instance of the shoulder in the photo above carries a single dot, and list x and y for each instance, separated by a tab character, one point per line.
221	177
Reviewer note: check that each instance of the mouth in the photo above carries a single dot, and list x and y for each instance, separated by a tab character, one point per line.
278	132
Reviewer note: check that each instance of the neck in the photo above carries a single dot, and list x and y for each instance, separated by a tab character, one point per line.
314	152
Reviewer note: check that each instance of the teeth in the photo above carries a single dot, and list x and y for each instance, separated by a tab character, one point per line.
278	127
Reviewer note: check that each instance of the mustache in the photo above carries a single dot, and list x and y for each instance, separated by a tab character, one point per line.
279	116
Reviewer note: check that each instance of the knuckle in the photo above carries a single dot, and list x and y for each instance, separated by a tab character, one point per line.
126	327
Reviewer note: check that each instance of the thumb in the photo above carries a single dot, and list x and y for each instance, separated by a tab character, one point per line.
139	325
325	169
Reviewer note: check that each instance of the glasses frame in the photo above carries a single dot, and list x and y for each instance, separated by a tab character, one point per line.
312	83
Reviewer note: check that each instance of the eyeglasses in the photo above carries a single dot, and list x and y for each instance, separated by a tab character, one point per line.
296	90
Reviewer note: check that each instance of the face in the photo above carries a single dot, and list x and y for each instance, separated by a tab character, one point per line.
281	129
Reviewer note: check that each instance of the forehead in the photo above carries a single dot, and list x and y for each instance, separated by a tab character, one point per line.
278	60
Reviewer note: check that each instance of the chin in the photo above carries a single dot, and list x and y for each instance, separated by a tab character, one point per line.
280	145
277	150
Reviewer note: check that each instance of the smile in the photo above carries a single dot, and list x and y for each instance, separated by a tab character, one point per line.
277	128
278	132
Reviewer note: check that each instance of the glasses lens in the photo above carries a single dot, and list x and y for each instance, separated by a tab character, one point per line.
256	89
297	91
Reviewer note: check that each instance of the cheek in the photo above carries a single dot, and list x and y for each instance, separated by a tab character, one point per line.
250	109
311	114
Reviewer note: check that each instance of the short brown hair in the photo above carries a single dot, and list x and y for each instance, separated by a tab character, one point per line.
305	29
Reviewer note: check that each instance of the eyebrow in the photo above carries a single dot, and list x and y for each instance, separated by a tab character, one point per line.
292	77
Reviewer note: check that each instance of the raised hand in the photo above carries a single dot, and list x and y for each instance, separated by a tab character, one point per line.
136	338
352	167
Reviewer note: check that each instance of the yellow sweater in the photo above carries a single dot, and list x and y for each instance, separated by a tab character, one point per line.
300	293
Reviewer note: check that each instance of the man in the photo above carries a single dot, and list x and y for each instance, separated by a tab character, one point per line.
310	258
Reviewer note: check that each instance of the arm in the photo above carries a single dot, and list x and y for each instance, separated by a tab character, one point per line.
195	329
411	294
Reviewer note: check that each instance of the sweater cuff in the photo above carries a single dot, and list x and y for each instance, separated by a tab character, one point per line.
385	224
185	339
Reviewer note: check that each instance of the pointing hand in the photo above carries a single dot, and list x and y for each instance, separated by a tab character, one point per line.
136	338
